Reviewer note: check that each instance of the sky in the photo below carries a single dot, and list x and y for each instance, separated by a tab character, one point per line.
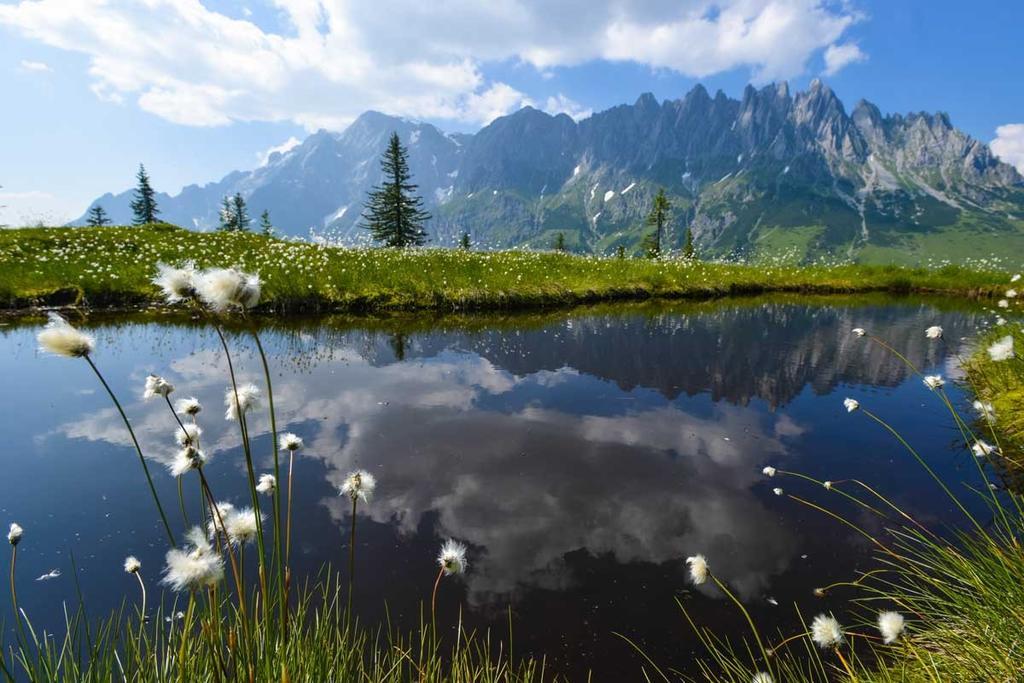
198	88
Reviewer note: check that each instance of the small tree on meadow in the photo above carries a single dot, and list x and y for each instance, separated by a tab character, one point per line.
620	253
393	212
266	227
97	217
560	242
242	220
227	215
657	217
144	200
464	243
689	251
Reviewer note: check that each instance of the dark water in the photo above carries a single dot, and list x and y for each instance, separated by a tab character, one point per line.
581	455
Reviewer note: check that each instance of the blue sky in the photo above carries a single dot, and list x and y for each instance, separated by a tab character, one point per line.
197	88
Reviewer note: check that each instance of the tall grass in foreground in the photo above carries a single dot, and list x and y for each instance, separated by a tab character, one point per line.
937	606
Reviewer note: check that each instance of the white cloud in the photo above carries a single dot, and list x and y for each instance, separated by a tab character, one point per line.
839	56
36	67
1009	144
330	60
560	104
285	147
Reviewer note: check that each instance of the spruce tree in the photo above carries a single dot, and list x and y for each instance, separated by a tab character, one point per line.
266	227
560	242
658	217
97	217
227	215
242	220
465	241
144	200
393	212
688	249
620	252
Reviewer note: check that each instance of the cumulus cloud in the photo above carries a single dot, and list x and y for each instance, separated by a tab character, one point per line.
1009	144
839	56
285	147
35	67
560	104
323	62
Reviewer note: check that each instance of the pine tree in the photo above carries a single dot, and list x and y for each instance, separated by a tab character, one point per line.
242	220
465	241
266	227
560	242
144	201
620	252
97	217
227	215
393	213
657	217
688	249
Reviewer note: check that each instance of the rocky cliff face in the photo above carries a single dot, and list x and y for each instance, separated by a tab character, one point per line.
768	171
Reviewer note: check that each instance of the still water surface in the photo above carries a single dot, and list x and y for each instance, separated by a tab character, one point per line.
581	455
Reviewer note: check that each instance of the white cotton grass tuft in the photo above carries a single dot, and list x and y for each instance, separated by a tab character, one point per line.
219	513
933	381
185	460
1003	303
762	677
826	631
290	442
193	566
982	448
1011	294
60	338
699	571
452	558
188	435
188	406
891	625
242	526
769	471
1015	278
267	483
247	398
827	485
156	386
985	410
176	284
851	404
778	491
1002	349
933	332
359	484
225	288
858	332
132	564
14	533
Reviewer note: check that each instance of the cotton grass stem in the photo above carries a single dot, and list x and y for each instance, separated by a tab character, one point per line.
138	449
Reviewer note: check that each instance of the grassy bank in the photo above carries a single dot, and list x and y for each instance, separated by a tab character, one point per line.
112	267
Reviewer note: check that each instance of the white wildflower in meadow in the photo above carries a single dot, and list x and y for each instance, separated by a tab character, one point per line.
359	484
267	483
778	491
826	631
177	284
769	471
985	410
60	338
890	625
762	677
1011	294
698	565
188	406
156	386
290	442
452	558
185	460
1015	278
1000	320
188	435
851	404
933	332
933	381
859	332
1003	303
14	534
193	566
1002	349
981	449
225	288
247	397
132	564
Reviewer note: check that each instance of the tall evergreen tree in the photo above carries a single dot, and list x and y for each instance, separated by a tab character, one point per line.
393	212
689	251
144	200
97	217
266	227
658	217
227	215
465	241
242	220
560	242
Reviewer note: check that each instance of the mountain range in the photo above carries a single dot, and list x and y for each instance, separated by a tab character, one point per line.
771	173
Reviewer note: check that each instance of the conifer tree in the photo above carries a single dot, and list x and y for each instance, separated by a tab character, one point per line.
144	200
689	251
465	241
242	220
227	215
560	242
657	217
97	217
393	212
266	227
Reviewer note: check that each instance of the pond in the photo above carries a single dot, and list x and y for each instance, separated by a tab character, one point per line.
581	455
